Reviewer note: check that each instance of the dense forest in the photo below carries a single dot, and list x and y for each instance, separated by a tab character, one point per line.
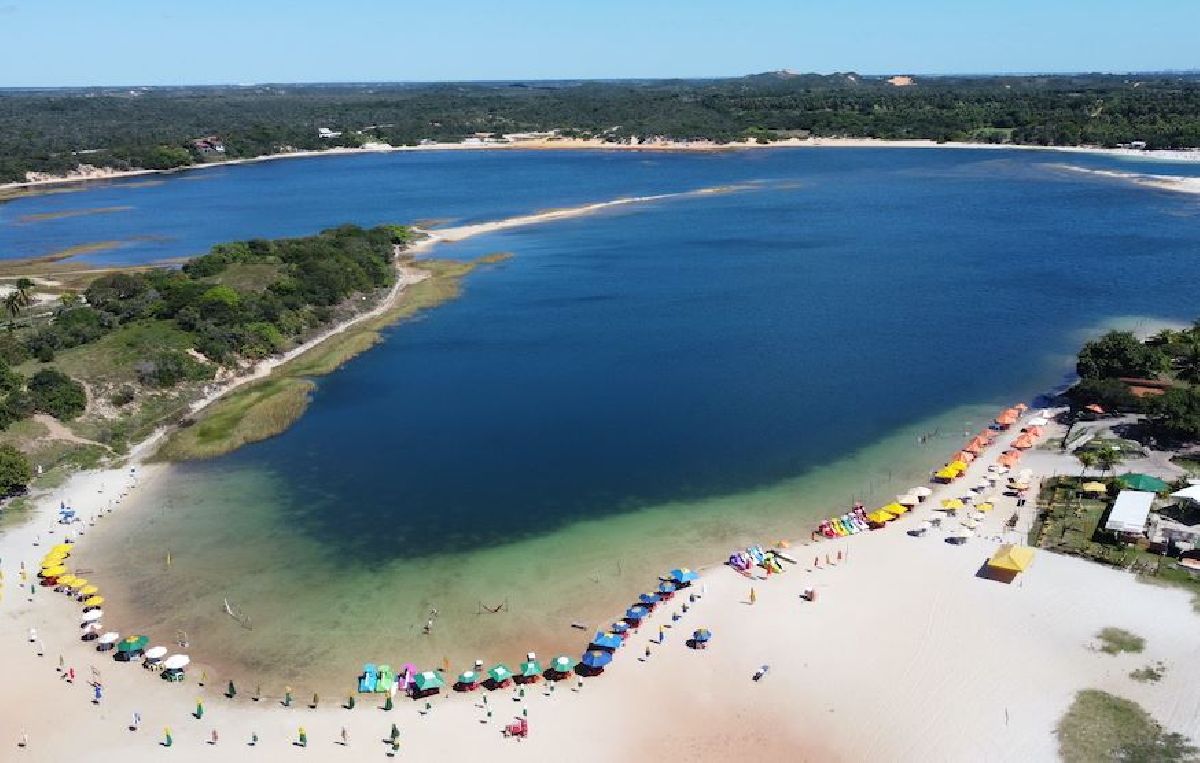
54	131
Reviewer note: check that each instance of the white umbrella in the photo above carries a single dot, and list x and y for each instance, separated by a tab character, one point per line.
977	516
965	532
981	486
921	491
926	525
92	627
1038	421
92	615
907	500
156	652
109	638
177	662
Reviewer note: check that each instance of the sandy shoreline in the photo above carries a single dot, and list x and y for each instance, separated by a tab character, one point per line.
906	655
569	144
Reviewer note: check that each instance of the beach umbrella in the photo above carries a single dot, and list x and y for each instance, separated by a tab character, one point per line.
648	598
79	583
109	638
61	548
562	664
54	571
133	643
606	640
619	627
531	669
92	616
1039	421
468	678
702	635
500	673
594	658
156	653
1138	481
922	491
683	575
952	503
879	516
427	680
66	580
89	590
93	601
1093	487
177	662
637	612
985	506
666	587
908	500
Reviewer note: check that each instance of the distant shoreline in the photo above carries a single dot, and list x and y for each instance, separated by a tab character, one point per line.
66	182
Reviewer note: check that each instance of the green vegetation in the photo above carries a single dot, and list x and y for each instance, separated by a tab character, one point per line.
15	472
154	128
53	392
1149	674
1169	360
1103	727
1116	640
1068	522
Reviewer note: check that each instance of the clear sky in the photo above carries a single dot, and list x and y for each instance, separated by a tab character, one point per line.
155	42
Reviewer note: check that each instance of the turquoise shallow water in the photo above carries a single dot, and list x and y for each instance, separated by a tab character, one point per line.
633	390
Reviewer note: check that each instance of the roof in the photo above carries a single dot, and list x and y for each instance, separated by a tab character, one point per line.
1012	558
1191	492
1130	511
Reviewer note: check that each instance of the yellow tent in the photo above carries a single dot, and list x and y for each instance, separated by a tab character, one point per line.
1093	487
895	508
879	516
1012	558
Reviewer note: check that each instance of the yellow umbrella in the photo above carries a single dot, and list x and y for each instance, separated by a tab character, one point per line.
1094	487
879	516
79	583
61	548
53	572
895	508
952	503
93	601
985	506
946	474
88	590
959	466
66	580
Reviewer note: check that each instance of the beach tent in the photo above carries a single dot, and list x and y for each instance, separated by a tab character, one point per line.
1093	487
1009	561
1129	512
595	659
683	575
1138	481
428	680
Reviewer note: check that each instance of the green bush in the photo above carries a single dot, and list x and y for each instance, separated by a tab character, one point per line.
15	472
53	392
169	367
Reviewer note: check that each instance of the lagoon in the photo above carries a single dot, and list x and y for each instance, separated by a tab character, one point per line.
632	391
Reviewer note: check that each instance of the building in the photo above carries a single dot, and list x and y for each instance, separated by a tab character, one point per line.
325	133
1177	527
209	147
1129	513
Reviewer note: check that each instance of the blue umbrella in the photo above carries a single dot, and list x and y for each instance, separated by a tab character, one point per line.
595	658
683	575
620	627
666	587
606	640
702	634
648	598
637	613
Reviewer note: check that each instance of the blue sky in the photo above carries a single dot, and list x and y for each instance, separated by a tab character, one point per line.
73	42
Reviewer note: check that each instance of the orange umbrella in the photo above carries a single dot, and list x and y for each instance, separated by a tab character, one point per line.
1024	442
1021	407
988	435
973	447
1034	431
1009	458
1008	418
963	456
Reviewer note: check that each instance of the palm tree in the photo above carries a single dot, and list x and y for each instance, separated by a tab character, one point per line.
14	302
68	299
1087	458
1108	459
25	288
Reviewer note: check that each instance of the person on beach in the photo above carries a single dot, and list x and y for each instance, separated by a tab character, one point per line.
345	737
136	722
213	739
32	635
70	675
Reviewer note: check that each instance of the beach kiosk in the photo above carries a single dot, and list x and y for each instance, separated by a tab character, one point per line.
1009	561
1129	513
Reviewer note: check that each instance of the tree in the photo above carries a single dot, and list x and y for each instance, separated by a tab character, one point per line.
1109	394
1119	353
57	394
1107	458
13	304
15	472
1087	458
68	299
1176	413
1188	361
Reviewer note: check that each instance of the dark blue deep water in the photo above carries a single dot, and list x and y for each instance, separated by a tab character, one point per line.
675	350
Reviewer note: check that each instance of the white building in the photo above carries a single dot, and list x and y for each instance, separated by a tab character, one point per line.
326	133
1130	512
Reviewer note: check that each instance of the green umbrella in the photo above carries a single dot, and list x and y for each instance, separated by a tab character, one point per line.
468	678
531	669
1137	481
562	664
500	673
429	680
133	644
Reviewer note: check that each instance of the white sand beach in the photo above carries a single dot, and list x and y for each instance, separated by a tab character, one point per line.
906	654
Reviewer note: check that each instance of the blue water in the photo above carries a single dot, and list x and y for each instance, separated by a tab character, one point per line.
688	372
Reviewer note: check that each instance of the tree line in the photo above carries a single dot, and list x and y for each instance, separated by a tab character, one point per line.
153	128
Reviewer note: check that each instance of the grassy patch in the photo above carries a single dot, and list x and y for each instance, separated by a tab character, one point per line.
1117	640
1102	727
247	415
1068	523
1168	572
248	276
1149	674
112	358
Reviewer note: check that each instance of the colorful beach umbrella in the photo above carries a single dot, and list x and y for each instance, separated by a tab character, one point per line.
531	669
89	590
79	583
500	673
53	572
562	664
702	634
133	643
428	680
93	601
648	598
683	575
468	678
666	587
594	658
637	612
606	640
619	627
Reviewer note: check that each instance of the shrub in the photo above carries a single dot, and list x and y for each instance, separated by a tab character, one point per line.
122	397
169	367
57	394
15	472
